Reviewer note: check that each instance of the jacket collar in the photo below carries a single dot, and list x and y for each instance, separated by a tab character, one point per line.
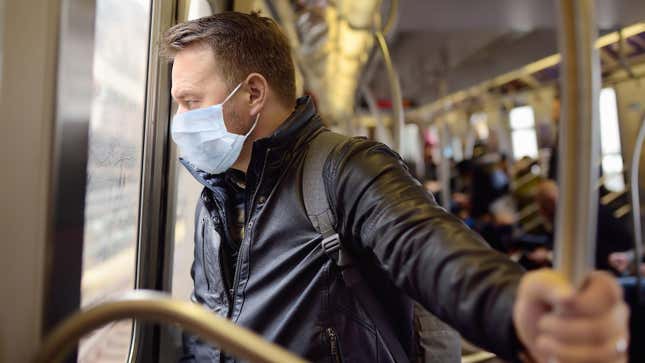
301	123
298	127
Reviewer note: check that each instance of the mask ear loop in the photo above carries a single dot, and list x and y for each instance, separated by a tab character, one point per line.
254	125
231	95
232	92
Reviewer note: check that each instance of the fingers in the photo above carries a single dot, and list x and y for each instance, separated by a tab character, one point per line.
599	294
565	325
592	330
565	353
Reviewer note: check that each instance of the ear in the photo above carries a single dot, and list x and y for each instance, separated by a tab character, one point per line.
258	89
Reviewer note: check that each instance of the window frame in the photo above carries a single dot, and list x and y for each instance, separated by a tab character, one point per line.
155	246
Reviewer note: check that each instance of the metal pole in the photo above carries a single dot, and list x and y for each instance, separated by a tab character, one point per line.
636	207
153	306
578	140
395	91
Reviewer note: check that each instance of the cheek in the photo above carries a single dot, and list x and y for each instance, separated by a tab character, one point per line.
234	120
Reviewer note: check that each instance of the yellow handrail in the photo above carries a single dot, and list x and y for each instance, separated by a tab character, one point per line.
158	307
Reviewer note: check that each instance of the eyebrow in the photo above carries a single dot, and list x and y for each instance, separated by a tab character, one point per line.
182	93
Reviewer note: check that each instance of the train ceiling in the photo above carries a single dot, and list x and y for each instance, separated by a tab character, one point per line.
445	46
439	47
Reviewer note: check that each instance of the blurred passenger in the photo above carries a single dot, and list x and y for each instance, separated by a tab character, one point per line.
624	262
431	167
462	180
612	235
245	136
500	176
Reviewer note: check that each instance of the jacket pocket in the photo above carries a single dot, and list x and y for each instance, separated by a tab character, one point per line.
334	345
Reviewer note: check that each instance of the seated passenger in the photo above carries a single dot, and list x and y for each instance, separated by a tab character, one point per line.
243	134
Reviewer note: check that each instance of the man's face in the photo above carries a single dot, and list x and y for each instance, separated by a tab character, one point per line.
196	83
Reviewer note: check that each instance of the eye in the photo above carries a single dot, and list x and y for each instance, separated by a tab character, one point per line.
192	104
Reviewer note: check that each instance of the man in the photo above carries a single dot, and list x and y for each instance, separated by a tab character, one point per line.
258	260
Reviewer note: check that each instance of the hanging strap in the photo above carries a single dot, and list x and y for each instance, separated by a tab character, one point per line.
324	221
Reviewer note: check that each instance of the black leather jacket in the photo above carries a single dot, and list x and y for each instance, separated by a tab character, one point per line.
285	287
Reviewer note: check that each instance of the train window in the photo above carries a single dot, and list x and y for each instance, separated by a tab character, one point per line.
612	160
456	149
114	166
523	134
412	149
478	120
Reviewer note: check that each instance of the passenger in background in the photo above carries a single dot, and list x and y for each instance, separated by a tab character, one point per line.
623	262
481	205
612	235
431	166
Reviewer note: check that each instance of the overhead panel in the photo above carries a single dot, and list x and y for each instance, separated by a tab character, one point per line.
331	41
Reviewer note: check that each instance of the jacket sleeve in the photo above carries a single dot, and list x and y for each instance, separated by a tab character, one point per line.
429	254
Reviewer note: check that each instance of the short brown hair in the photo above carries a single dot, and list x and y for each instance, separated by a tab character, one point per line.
242	44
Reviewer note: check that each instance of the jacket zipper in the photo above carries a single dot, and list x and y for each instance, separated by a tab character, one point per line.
333	344
208	282
249	224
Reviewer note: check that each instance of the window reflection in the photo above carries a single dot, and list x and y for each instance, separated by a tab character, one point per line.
114	167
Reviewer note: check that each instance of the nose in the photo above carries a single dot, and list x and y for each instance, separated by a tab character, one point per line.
180	110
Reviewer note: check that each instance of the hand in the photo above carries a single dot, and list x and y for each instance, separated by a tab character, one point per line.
558	324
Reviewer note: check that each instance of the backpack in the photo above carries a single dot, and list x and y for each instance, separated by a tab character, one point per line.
437	341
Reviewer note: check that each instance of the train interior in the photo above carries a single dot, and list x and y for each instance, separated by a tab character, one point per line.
95	203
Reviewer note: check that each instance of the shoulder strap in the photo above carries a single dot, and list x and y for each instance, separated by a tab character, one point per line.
324	221
315	195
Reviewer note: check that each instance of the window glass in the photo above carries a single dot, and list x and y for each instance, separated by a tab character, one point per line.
198	9
524	143
523	136
612	160
615	182
522	117
609	132
457	150
612	163
114	167
411	149
188	191
479	122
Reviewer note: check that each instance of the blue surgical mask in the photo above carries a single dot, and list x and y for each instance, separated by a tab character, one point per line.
203	139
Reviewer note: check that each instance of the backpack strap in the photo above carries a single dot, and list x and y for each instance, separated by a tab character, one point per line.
315	195
324	221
